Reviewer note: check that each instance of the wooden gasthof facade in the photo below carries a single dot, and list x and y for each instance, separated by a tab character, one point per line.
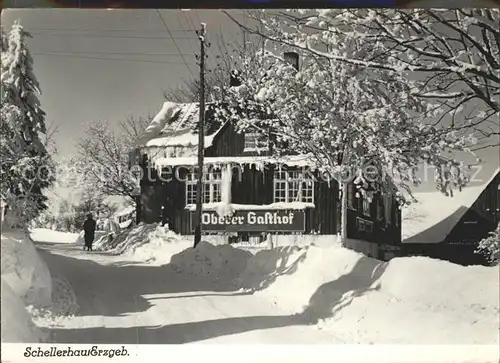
247	192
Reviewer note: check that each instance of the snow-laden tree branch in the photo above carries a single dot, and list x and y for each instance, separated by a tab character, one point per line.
342	114
454	55
223	57
348	117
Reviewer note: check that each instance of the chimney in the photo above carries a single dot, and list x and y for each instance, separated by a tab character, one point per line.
292	58
235	79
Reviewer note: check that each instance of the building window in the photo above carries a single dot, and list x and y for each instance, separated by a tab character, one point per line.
293	186
191	189
364	225
366	207
256	142
211	189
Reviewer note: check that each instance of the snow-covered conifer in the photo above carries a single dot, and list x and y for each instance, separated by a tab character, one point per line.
27	168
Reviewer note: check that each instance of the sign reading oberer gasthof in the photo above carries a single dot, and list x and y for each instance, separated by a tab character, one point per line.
253	221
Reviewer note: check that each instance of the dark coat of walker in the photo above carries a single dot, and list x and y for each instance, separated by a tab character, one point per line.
89	232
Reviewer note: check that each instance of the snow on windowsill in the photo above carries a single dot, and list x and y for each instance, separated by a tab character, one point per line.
274	206
255	149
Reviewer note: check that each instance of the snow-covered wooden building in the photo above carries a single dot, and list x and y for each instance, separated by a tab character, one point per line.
247	191
450	227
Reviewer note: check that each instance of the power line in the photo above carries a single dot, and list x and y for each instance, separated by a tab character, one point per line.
187	16
107	36
197	15
176	45
105	58
190	19
121	53
191	27
108	30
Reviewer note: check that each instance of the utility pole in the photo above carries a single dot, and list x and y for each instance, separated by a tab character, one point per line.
201	139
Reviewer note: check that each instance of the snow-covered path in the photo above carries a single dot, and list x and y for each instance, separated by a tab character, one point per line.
125	302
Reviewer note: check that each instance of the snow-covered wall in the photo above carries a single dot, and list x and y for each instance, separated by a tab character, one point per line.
17	323
24	270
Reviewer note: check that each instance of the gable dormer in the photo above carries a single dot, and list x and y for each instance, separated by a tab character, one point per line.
256	143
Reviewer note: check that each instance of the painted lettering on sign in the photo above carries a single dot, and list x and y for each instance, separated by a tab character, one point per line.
254	221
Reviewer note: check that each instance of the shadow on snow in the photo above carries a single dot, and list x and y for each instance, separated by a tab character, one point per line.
117	289
109	298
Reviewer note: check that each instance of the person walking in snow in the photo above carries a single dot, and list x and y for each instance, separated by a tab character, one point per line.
89	231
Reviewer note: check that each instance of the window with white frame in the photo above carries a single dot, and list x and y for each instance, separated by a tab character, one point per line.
293	186
256	142
211	189
366	207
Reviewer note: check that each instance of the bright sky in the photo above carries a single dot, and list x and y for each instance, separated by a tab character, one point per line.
110	64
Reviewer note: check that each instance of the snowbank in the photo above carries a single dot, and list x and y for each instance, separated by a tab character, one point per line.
17	323
263	268
26	281
24	270
157	248
149	243
441	284
222	262
304	240
154	244
412	300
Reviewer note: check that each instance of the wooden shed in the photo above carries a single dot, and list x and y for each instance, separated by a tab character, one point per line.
450	227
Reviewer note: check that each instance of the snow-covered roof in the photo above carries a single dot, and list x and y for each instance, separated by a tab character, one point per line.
175	125
126	224
126	211
434	216
290	160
